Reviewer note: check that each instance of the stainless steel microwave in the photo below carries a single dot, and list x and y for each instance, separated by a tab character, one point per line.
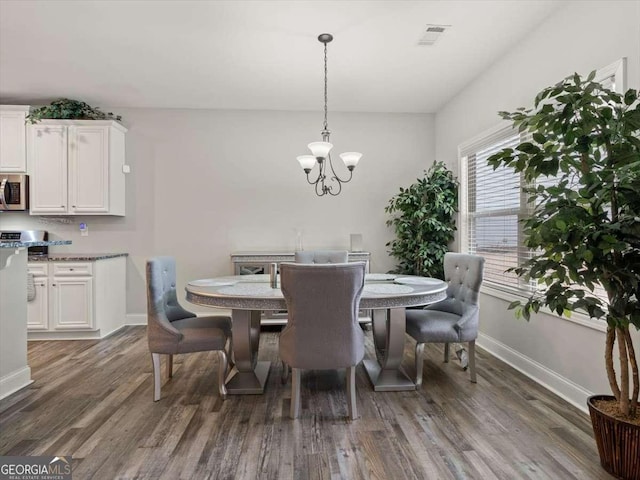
14	192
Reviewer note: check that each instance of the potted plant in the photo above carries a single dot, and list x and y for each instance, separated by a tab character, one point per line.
582	166
67	109
423	216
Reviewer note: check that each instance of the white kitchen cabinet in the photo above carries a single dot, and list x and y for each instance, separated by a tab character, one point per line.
48	169
38	308
13	157
77	300
72	303
76	167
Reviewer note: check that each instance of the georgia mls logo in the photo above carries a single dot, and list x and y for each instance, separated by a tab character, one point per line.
60	466
35	468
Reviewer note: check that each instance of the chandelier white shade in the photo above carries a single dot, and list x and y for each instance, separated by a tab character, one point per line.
350	159
307	162
327	181
320	149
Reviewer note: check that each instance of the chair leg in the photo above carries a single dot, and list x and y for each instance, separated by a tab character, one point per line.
155	360
285	373
295	393
472	360
419	364
446	353
169	366
222	373
351	392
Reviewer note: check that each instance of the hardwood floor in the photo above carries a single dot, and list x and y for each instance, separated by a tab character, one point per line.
93	400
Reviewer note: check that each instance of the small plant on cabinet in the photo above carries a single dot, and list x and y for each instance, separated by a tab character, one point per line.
66	109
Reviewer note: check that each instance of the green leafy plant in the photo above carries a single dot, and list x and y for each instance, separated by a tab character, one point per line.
584	231
64	108
423	216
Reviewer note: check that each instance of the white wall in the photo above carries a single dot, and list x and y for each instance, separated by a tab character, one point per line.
580	37
206	183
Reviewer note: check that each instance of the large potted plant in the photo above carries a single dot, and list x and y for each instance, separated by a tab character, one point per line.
423	217
582	165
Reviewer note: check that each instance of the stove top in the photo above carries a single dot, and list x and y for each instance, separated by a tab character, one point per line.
27	236
23	236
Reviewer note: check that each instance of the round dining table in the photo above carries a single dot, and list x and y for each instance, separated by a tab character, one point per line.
387	295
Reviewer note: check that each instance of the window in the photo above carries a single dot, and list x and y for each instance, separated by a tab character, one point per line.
492	202
492	208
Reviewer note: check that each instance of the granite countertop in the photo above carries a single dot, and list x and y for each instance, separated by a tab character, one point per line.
34	244
74	257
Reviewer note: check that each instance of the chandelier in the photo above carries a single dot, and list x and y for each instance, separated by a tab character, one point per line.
320	151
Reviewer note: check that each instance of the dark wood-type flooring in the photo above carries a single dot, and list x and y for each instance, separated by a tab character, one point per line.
93	400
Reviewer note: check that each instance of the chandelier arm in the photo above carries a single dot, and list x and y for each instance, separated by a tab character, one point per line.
314	182
339	183
319	184
321	175
347	180
322	188
335	175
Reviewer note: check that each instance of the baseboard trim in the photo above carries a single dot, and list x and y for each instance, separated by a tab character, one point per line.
108	334
15	381
136	319
552	381
39	336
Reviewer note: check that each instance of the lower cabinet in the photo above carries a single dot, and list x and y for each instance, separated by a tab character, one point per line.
76	299
72	303
38	308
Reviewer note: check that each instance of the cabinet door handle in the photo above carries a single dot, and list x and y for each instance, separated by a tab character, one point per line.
71	269
53	284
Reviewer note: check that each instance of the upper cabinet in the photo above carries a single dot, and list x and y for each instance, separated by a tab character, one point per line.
76	167
13	156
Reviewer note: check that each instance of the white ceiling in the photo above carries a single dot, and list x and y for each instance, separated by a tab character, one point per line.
253	54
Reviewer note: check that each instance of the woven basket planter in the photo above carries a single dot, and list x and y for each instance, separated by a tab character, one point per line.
618	442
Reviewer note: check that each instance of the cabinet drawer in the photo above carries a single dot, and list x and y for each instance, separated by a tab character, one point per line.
38	269
72	269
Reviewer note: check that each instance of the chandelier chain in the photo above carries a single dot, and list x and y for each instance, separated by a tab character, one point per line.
325	87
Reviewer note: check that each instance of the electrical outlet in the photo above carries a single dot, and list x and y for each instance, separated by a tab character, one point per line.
84	230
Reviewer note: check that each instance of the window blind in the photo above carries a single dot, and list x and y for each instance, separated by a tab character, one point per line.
495	203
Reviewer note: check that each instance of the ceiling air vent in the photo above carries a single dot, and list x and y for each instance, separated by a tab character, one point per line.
432	34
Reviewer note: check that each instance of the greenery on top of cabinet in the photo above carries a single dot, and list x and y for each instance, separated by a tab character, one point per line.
66	109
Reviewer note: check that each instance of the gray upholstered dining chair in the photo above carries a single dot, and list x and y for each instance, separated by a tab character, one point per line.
171	329
322	256
454	319
322	332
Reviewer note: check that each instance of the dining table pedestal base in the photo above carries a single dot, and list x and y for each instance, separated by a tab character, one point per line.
385	372
387	380
248	383
248	376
